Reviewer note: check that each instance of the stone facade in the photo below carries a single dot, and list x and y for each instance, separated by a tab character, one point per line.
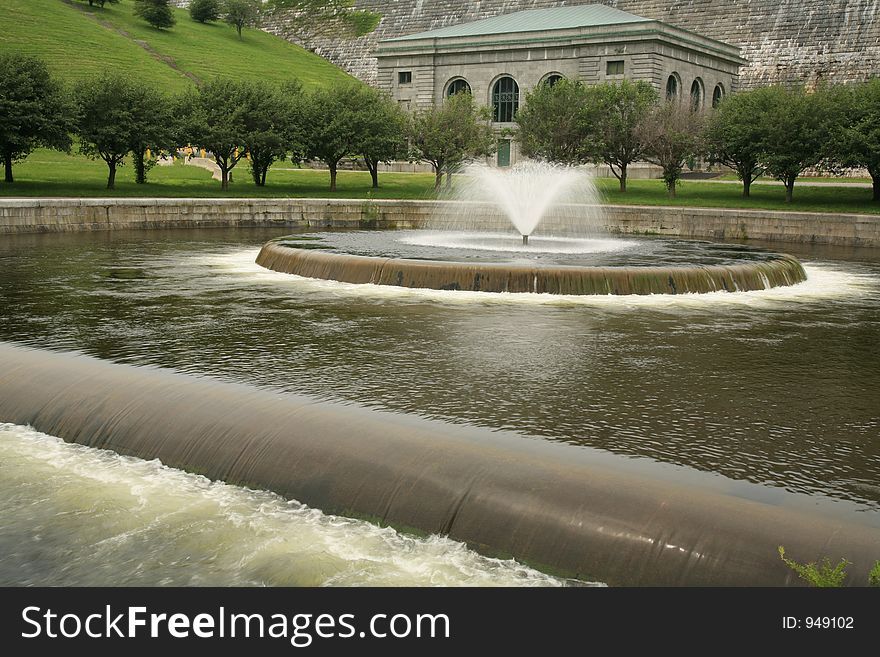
580	44
789	41
60	215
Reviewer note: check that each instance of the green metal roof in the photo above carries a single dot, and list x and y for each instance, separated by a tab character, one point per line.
534	20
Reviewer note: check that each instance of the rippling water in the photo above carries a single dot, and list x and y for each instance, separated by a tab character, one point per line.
779	387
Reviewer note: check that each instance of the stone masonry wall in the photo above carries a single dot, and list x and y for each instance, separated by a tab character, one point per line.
59	215
784	40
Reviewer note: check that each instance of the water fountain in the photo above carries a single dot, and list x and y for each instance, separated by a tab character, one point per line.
534	228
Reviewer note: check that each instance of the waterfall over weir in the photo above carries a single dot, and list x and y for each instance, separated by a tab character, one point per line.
573	510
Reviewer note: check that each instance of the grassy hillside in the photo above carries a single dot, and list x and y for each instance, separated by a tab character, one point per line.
76	40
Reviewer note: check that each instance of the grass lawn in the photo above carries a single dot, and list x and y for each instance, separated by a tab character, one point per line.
49	173
805	179
77	41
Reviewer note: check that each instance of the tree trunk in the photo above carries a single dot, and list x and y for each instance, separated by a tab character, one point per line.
438	178
332	177
789	190
263	176
670	189
374	172
622	178
224	178
7	164
747	186
111	177
448	179
875	178
140	167
238	27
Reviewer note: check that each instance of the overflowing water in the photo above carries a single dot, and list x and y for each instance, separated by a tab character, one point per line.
72	515
777	388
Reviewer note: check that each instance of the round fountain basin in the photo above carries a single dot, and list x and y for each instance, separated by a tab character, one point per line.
546	265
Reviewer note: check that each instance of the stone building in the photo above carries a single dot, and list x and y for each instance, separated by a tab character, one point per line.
500	59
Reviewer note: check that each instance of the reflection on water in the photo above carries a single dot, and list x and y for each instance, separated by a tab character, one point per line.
72	515
777	387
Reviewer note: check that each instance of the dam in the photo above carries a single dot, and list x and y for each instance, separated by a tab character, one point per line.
630	441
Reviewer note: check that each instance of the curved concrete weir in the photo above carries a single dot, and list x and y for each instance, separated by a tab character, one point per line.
777	271
552	505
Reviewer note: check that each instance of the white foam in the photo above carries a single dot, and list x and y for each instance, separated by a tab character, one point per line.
824	282
510	243
112	510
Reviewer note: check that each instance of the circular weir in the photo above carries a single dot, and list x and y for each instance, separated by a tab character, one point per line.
504	262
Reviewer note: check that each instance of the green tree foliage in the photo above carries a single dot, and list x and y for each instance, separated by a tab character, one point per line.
858	109
381	131
216	119
797	132
616	111
272	125
107	118
157	13
331	124
157	129
309	19
241	13
34	110
735	132
821	574
449	134
205	11
670	135
553	123
101	3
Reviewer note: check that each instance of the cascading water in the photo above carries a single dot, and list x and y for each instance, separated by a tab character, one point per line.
474	227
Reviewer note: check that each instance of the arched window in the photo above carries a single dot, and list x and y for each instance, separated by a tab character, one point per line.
717	95
505	100
697	95
672	87
552	79
458	86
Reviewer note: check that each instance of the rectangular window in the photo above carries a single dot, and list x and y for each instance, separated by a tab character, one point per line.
614	68
404	77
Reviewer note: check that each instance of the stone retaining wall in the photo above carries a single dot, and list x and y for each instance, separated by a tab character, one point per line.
54	215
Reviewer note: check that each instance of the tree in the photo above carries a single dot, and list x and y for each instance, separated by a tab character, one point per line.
216	119
106	118
157	13
859	143
271	123
204	11
34	110
449	134
616	111
553	123
241	13
101	3
670	134
306	20
380	130
734	133
156	131
330	124
797	133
